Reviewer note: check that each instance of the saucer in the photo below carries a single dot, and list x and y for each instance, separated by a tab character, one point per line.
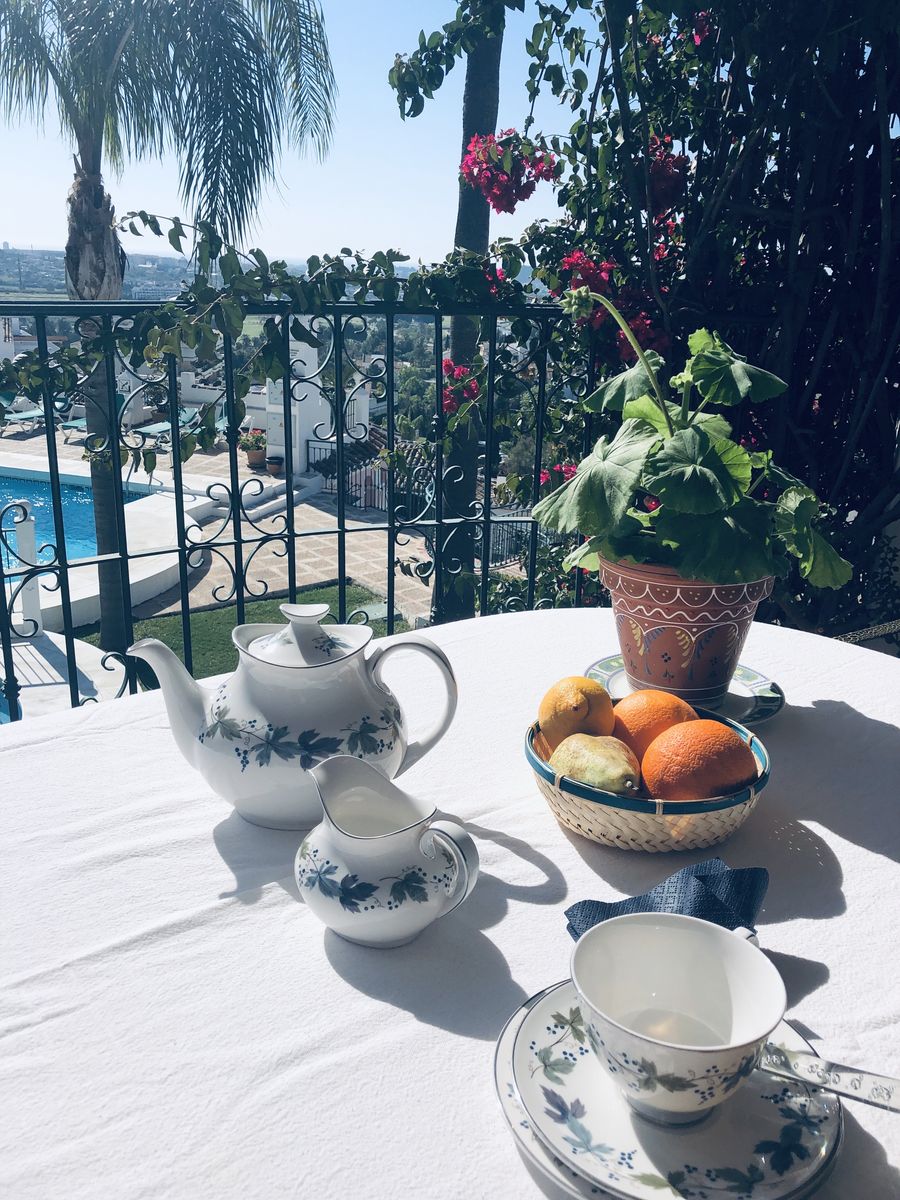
751	698
773	1140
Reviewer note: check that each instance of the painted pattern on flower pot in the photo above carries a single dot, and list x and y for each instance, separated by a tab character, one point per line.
679	635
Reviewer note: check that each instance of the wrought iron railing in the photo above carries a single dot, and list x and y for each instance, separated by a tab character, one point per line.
234	533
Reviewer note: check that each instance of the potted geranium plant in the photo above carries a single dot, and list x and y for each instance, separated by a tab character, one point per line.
687	528
253	443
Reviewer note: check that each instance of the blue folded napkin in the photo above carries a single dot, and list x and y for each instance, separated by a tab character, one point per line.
711	890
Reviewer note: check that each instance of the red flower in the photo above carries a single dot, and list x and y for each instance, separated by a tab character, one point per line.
451	404
447	366
460	372
651	503
568	471
648	338
471	389
482	163
703	27
668	174
545	477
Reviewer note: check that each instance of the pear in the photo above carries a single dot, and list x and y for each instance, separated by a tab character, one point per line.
601	762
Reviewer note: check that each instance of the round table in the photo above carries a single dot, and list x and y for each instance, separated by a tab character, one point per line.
176	1023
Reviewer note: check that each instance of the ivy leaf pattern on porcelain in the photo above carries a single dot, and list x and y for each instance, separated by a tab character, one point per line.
573	1023
410	886
363	738
320	876
274	742
579	1137
222	726
261	743
314	749
554	1068
353	893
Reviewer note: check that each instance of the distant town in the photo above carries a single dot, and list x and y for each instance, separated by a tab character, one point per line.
30	274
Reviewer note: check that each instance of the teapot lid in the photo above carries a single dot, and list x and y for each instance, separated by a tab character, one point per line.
303	642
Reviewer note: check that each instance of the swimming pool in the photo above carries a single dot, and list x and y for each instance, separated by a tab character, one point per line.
77	506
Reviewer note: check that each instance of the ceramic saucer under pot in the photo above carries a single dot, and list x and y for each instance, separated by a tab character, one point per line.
773	1140
751	697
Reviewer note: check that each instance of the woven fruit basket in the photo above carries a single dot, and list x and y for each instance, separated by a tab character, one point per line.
641	823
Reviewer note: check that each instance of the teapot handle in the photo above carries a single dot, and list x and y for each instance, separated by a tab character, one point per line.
463	851
415	750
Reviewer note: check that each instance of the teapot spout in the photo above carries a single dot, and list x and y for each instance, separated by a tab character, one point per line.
184	698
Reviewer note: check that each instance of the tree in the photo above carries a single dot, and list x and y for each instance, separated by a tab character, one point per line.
225	83
477	33
738	168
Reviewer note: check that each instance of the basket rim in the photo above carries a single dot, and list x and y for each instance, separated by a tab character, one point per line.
641	804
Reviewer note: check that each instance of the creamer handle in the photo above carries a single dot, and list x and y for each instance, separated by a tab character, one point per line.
375	661
459	845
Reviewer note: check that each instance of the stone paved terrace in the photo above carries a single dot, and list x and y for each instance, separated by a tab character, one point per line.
316	554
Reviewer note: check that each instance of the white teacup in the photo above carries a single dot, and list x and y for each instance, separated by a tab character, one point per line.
677	1010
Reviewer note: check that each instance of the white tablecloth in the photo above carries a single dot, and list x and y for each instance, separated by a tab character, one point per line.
175	1023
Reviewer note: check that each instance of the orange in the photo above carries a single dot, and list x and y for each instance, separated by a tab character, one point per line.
575	704
697	760
643	716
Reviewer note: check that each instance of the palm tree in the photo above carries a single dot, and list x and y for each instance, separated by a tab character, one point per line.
222	84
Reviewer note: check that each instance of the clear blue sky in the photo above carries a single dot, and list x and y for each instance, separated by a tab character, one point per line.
386	182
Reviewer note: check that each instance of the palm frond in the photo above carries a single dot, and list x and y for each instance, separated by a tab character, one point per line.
295	30
25	33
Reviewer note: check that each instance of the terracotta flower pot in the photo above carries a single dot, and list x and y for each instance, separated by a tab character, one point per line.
680	635
256	458
275	466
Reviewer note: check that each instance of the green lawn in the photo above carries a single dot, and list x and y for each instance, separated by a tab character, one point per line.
211	631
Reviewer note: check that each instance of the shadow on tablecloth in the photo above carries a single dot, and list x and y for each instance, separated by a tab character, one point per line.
256	857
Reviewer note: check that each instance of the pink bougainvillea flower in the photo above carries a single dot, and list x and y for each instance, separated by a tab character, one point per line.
447	366
451	404
471	389
568	471
545	477
703	27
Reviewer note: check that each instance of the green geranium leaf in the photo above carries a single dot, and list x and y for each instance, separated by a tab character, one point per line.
826	567
596	498
733	546
722	377
645	408
700	340
690	475
736	459
612	394
820	563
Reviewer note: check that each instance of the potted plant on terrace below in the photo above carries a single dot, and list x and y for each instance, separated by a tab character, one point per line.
687	528
253	443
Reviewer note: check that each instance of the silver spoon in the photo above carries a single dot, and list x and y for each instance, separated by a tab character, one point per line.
879	1090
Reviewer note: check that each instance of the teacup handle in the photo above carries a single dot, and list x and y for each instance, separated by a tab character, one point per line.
375	661
463	851
747	934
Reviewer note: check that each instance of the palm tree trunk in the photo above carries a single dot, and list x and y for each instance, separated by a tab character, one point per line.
454	599
95	268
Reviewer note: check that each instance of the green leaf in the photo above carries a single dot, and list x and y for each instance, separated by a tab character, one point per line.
733	546
300	333
700	340
689	474
820	563
645	408
595	500
721	377
612	394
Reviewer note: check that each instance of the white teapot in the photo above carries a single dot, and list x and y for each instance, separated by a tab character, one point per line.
301	693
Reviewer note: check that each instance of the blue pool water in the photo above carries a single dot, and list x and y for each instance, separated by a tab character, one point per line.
77	506
78	523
